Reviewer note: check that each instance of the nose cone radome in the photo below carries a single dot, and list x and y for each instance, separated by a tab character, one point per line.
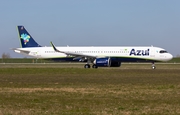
169	57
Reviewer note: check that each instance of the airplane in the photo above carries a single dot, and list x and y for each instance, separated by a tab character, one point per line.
98	56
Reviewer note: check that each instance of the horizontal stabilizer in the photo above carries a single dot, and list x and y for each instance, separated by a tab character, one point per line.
20	51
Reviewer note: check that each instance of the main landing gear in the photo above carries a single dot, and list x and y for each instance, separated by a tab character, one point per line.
88	66
94	66
153	66
90	60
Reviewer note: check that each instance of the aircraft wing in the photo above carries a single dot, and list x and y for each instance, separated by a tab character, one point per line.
77	55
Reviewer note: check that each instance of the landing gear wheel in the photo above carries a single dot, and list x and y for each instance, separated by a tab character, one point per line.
94	66
153	67
86	66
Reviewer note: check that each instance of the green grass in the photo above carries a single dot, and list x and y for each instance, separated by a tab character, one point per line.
77	91
175	60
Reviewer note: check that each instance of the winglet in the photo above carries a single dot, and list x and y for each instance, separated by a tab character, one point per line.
54	47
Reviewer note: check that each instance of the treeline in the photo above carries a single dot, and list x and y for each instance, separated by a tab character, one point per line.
24	60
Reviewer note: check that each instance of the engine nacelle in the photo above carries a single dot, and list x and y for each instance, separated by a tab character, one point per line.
107	62
115	64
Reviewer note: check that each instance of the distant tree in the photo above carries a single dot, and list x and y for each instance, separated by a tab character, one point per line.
5	55
178	55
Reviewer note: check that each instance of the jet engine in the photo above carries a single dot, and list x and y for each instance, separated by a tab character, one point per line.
107	62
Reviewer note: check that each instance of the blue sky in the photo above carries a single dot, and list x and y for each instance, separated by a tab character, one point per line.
92	23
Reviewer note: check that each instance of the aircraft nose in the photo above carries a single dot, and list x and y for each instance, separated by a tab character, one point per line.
170	56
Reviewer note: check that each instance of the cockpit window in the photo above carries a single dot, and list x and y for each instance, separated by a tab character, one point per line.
163	51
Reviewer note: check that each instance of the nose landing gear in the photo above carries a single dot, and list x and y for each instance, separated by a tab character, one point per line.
153	66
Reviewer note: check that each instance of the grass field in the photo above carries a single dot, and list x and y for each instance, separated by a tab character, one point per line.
64	89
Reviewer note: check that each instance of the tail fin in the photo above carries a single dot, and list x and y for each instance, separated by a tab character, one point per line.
26	39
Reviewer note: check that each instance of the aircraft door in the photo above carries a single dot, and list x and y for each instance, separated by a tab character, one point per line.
35	53
38	54
152	53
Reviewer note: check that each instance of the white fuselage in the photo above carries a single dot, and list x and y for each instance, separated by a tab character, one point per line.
145	53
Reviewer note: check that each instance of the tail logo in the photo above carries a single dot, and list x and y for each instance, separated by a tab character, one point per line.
25	37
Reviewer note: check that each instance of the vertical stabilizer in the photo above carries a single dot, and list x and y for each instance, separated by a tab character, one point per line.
26	39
